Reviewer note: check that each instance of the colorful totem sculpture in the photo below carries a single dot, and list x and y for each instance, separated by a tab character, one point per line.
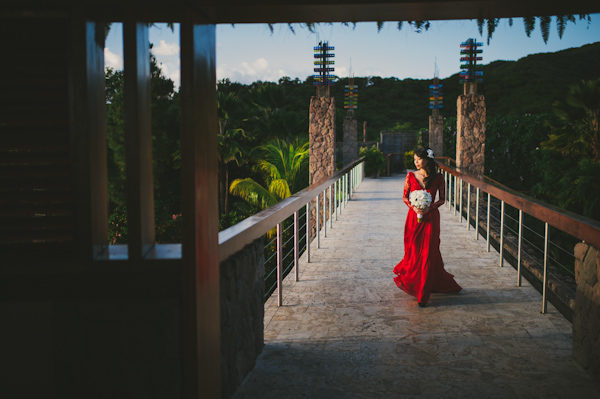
469	52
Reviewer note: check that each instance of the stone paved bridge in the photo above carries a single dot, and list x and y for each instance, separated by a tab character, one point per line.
346	331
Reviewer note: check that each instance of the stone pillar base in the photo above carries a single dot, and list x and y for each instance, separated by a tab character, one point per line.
470	134
586	318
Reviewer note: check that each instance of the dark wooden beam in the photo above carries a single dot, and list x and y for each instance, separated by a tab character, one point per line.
275	11
138	139
200	247
88	136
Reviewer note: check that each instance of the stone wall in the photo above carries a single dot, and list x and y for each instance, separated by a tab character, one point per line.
436	138
242	314
350	139
321	133
586	321
470	132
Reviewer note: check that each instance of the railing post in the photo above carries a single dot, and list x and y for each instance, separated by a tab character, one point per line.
519	250
308	232
296	243
331	206
544	302
318	232
325	212
501	249
477	215
455	193
488	222
279	265
449	190
469	207
350	185
460	202
345	190
335	203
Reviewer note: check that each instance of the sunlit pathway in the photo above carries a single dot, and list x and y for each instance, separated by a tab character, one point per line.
346	330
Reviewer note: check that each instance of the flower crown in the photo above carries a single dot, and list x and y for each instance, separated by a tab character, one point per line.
430	153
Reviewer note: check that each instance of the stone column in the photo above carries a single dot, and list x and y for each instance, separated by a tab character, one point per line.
470	134
586	318
436	136
350	132
321	133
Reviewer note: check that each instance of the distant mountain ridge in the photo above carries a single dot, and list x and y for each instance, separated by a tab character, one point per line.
529	85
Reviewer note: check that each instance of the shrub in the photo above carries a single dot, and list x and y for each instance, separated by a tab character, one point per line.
374	160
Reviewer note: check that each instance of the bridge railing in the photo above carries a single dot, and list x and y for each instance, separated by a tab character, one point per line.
287	225
502	208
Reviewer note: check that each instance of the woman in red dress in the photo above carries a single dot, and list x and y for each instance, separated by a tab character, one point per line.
422	272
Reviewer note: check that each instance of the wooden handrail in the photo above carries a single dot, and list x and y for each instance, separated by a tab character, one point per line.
581	227
235	238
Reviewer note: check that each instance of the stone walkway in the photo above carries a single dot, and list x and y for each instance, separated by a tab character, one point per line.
346	330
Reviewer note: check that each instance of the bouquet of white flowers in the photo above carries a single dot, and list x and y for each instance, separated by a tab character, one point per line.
421	199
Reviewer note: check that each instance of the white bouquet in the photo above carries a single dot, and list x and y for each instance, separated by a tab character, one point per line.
421	199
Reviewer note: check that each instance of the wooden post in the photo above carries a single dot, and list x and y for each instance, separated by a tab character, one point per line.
87	117
138	139
201	329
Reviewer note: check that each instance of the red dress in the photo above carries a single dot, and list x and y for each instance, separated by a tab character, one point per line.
422	272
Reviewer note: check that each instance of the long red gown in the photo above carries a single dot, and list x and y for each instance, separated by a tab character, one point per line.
422	272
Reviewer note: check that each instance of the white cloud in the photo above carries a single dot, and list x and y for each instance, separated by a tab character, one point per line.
251	71
165	48
112	60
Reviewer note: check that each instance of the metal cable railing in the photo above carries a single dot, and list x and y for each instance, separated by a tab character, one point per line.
298	220
494	216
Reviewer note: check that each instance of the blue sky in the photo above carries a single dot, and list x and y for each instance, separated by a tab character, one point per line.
250	52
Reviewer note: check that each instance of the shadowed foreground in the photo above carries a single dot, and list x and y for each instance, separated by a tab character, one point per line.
347	331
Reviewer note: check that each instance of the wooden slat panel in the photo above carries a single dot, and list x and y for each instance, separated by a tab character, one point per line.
36	197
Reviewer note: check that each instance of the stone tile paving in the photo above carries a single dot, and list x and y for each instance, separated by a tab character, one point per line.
346	330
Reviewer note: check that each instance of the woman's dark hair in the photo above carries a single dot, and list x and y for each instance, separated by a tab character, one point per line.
430	167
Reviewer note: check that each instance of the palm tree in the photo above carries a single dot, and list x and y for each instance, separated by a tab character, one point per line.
231	148
231	145
576	130
284	167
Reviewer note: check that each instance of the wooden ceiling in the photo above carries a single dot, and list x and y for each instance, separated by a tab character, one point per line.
276	11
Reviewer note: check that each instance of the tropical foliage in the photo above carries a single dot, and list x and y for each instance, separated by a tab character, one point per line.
576	130
283	167
374	160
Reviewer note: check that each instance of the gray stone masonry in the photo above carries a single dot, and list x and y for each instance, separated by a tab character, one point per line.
242	314
470	134
350	140
436	138
586	321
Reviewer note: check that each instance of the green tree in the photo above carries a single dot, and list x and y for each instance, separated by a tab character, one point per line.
284	168
165	140
575	131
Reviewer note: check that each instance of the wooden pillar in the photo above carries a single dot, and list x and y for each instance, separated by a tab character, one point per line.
87	119
201	349
138	139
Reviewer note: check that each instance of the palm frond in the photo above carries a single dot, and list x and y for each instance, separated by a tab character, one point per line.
480	23
279	188
545	27
529	23
561	24
252	192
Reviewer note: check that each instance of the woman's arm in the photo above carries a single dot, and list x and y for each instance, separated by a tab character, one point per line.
405	197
